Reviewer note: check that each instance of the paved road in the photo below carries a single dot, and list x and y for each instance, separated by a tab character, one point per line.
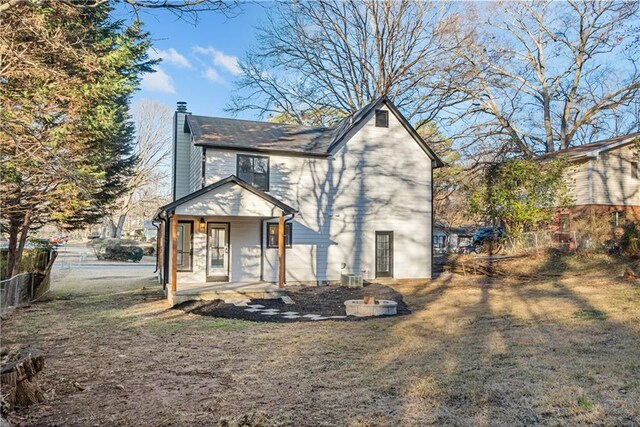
76	262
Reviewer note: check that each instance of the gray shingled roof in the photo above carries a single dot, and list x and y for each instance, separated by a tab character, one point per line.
265	136
232	133
594	148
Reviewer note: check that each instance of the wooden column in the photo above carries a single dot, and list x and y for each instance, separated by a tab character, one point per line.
281	252
174	253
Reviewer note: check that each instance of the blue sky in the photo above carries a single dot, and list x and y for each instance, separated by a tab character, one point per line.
199	60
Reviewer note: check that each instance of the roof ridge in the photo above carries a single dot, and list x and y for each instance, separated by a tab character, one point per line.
263	122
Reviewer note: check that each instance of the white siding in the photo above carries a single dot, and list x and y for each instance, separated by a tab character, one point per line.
379	179
195	168
244	251
228	200
181	158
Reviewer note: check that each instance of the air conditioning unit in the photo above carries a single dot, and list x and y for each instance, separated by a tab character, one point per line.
351	281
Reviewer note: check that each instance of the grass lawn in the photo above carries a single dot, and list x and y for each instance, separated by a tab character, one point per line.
474	351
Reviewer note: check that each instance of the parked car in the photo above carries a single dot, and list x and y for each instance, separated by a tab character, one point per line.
467	249
94	235
487	236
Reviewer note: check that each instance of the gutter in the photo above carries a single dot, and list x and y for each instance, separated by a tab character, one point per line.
157	226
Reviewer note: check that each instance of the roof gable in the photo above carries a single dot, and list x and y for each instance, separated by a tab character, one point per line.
221	198
364	112
247	135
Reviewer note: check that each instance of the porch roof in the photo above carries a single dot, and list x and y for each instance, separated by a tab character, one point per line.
230	196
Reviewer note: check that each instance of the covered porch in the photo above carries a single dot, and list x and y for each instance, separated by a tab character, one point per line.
211	243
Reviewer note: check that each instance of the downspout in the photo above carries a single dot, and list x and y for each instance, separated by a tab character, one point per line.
293	214
157	243
262	250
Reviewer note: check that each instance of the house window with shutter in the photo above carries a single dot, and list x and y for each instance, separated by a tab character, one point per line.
634	170
254	170
382	119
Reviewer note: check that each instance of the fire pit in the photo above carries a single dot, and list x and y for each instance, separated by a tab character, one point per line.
370	307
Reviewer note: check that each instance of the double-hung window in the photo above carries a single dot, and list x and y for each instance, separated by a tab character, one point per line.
254	170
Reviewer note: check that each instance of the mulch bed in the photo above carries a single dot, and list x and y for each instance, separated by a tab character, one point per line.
323	300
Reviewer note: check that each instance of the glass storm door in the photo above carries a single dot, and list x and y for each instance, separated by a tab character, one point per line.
384	253
217	252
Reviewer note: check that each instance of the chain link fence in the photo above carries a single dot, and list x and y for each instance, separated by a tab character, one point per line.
25	287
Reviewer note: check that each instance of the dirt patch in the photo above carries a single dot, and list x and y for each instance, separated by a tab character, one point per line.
325	301
474	351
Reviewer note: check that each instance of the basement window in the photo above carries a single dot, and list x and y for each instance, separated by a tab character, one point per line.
617	219
382	119
272	235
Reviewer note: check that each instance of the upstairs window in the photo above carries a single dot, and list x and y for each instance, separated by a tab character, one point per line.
634	170
272	235
382	119
254	170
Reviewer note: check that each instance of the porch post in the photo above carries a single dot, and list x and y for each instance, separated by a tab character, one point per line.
174	252
281	252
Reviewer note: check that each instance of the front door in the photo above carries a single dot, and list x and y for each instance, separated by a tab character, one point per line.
217	252
384	253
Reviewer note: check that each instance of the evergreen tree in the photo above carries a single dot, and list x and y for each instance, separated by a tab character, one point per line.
67	78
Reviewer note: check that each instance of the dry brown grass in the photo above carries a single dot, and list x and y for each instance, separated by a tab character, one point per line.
474	352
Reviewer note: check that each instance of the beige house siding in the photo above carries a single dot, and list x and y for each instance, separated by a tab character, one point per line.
613	183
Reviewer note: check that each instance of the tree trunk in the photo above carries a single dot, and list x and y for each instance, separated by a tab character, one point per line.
18	232
14	229
24	232
120	226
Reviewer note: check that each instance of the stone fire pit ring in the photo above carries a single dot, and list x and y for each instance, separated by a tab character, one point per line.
358	308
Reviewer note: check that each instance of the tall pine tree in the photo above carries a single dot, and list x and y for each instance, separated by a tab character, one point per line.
67	78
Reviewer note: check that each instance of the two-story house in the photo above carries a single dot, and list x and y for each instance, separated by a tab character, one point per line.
604	181
259	203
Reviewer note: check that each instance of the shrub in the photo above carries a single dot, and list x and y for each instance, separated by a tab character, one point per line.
630	239
116	249
149	250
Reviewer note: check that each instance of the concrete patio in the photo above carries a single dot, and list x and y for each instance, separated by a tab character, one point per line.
224	291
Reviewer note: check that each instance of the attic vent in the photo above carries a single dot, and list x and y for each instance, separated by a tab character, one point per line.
382	119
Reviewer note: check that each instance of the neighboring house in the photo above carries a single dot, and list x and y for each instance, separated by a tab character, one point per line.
440	238
355	198
604	180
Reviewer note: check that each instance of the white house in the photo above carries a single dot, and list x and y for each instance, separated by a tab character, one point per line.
355	198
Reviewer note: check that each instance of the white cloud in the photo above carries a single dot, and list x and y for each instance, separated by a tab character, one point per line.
213	76
170	56
221	59
158	81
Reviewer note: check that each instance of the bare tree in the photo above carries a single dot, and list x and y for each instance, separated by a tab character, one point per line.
152	149
547	76
179	7
321	60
